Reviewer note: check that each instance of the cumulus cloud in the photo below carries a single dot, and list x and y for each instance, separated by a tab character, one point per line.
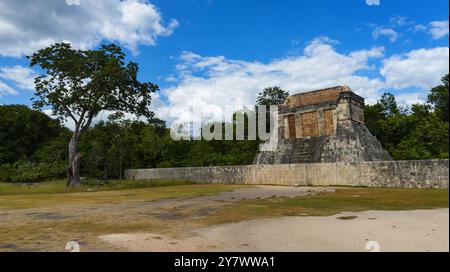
6	90
408	99
388	32
420	68
22	77
25	28
418	28
210	83
439	29
104	114
399	21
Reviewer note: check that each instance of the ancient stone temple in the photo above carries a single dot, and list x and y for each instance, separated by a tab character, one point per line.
321	126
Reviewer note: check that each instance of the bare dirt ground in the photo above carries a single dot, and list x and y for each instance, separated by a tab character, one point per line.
50	227
138	223
420	230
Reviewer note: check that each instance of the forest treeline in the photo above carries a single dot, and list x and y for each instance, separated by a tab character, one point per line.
33	146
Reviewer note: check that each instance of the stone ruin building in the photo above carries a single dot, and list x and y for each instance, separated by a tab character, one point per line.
321	126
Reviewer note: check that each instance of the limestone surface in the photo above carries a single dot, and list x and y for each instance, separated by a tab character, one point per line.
321	126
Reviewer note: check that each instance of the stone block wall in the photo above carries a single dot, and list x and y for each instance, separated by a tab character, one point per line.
389	174
216	174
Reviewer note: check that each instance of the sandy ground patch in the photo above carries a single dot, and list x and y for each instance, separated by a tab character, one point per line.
418	230
187	218
49	228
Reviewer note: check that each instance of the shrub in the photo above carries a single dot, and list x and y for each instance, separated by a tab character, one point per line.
24	171
164	164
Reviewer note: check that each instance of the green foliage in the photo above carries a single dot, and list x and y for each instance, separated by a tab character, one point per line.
272	96
25	172
428	140
113	146
420	132
388	105
23	131
55	150
78	84
33	147
438	97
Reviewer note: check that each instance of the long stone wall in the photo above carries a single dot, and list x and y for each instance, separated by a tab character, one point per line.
391	174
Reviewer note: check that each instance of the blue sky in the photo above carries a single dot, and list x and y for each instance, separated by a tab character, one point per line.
220	52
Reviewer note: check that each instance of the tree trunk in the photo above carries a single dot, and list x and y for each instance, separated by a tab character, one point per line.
73	170
120	166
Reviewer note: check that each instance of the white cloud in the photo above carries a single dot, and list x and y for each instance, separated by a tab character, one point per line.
210	83
104	114
25	28
407	99
388	32
418	28
171	78
399	21
439	29
22	77
421	68
6	90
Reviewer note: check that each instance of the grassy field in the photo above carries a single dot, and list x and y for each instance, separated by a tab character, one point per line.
52	194
324	204
59	186
46	216
46	221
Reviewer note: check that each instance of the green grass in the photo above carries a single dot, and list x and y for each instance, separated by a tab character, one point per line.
324	204
85	215
109	210
59	186
104	196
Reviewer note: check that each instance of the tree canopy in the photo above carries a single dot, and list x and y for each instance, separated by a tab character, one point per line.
272	96
79	84
438	98
24	131
33	145
416	132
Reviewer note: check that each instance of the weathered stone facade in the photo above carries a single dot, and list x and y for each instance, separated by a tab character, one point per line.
321	126
390	174
323	142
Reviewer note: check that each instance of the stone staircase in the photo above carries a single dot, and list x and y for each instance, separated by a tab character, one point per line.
304	150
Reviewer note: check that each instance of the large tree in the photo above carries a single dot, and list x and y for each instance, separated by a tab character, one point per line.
438	97
79	84
272	96
23	131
